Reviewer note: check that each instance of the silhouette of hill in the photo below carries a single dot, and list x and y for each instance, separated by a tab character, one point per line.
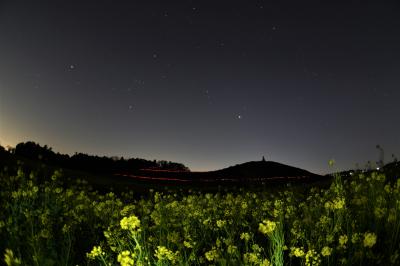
159	172
246	172
261	169
392	167
391	171
140	174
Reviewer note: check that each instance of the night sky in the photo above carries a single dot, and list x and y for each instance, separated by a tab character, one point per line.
208	84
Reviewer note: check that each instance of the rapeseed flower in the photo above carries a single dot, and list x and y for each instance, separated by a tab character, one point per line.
355	237
297	252
96	252
232	249
267	227
251	258
265	262
343	241
130	223
125	258
326	251
339	203
312	258
221	223
212	255
369	240
163	253
256	248
245	236
10	259
380	212
187	244
328	205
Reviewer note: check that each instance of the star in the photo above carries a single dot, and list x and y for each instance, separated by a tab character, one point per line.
130	107
239	117
72	67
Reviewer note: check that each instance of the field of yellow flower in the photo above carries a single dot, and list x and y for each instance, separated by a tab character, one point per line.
44	221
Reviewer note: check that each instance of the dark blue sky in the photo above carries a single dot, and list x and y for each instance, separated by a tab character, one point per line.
208	84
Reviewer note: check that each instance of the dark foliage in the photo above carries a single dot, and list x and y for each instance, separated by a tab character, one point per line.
91	163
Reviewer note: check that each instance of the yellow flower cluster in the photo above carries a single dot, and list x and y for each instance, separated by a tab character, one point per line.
10	259
265	262
130	223
297	252
343	241
187	244
221	223
251	258
245	236
339	203
380	212
267	227
369	240
312	258
96	252
255	257
163	253
232	249
326	251
355	237
336	204
125	258
212	255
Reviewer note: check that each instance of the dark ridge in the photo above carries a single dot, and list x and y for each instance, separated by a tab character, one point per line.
246	172
89	163
161	172
261	169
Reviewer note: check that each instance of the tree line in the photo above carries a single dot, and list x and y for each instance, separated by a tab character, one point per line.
89	163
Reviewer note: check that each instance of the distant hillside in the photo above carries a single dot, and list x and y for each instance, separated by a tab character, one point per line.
160	171
246	172
261	169
139	174
391	170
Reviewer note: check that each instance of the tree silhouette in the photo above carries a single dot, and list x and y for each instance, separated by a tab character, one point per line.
92	163
381	161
